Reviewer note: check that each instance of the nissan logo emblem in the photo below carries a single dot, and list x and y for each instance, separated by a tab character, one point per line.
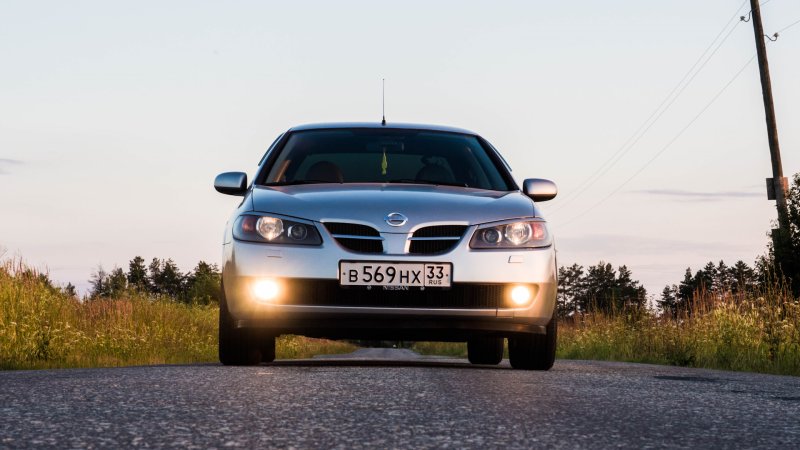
396	219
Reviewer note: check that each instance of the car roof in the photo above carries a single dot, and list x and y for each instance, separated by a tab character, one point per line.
389	125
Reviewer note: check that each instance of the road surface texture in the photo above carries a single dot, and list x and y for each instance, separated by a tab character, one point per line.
381	398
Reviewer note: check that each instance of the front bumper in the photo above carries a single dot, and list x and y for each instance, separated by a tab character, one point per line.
313	304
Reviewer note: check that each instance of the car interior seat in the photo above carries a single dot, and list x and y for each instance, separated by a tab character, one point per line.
325	171
435	173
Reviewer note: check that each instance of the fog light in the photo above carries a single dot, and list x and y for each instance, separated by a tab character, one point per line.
266	290
521	295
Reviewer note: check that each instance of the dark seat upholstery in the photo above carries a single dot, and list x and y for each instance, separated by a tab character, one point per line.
435	173
325	171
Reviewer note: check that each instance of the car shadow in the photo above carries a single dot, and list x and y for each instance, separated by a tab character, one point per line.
383	363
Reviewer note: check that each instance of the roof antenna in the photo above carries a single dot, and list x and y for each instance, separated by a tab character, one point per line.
383	105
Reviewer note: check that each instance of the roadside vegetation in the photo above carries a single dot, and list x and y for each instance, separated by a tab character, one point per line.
757	331
725	317
749	325
45	326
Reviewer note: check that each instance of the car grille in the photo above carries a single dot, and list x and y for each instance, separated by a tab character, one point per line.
425	241
355	237
459	296
441	231
436	239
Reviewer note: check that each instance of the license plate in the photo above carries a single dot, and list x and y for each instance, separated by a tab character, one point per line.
395	274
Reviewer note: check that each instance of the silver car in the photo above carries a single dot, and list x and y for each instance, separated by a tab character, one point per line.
388	232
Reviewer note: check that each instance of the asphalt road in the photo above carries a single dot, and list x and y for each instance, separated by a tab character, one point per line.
393	398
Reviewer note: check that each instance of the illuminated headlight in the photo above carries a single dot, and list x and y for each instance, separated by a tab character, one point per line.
275	230
523	234
269	227
518	233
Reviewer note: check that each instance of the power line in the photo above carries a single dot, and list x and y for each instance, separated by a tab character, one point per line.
666	147
663	111
680	87
787	27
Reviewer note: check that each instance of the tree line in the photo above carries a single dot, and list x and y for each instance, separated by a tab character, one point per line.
713	280
598	288
601	288
159	278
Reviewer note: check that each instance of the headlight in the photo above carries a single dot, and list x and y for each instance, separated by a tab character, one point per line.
269	227
524	234
275	230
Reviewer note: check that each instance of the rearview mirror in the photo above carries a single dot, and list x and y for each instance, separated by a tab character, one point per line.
231	183
539	190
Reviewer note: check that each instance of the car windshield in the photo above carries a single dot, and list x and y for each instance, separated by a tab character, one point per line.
385	156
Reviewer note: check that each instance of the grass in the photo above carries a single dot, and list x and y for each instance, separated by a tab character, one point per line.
41	327
457	349
754	332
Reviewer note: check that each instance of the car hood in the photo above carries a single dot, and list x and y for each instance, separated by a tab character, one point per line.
370	204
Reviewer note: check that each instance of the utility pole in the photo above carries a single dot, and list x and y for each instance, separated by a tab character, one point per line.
777	185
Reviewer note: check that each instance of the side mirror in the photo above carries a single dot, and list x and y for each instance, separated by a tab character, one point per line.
231	183
539	190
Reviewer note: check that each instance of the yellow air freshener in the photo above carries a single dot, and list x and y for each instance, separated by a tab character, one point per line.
384	163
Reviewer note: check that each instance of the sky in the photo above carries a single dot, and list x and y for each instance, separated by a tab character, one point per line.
116	116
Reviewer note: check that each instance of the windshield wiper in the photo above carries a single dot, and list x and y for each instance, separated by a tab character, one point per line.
434	183
295	182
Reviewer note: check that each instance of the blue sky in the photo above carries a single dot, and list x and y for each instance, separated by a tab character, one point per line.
115	117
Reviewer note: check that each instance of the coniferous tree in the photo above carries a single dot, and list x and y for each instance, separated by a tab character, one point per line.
600	288
704	279
70	291
629	293
571	292
721	282
108	285
137	274
669	300
600	284
99	283
117	283
159	278
744	278
686	290
784	251
203	284
154	276
170	280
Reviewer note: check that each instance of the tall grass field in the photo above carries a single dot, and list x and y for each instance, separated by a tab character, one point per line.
754	332
42	327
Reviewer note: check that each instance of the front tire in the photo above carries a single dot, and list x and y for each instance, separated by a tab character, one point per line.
485	350
268	349
239	347
534	351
